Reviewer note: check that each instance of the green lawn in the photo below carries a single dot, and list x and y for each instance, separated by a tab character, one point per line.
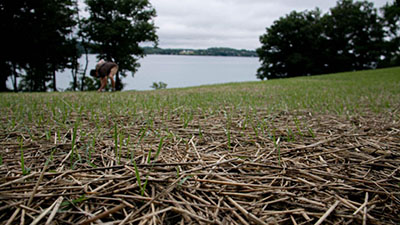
343	93
306	137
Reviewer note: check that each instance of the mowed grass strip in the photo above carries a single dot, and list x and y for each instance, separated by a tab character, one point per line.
343	93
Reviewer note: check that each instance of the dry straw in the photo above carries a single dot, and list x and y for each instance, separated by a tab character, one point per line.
346	172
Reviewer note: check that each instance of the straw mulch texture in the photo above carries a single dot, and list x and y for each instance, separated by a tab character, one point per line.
308	169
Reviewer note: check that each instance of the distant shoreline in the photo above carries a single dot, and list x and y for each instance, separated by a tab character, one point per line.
215	51
201	52
201	55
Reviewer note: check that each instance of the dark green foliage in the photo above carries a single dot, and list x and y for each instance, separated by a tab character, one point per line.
42	39
159	85
391	20
354	36
116	27
291	46
38	40
349	37
89	84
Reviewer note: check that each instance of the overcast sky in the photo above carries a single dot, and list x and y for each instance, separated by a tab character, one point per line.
225	23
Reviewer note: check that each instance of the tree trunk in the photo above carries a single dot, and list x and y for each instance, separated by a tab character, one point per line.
15	85
74	72
3	84
14	78
118	85
86	66
74	79
4	73
54	80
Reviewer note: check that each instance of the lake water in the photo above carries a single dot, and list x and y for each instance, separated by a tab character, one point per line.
180	71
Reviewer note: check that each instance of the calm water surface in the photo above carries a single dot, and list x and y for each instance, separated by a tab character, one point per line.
181	71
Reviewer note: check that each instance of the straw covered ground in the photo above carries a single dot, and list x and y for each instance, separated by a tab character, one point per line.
142	158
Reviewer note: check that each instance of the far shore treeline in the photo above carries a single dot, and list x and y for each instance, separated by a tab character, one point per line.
46	36
217	51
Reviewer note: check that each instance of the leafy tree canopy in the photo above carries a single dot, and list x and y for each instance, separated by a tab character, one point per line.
116	28
291	46
349	37
354	35
391	21
38	40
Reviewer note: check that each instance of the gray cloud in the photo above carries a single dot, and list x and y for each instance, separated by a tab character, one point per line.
224	23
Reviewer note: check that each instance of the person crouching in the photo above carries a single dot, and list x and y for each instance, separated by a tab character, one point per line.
105	70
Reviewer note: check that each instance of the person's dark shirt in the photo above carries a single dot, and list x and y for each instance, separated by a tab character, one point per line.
105	68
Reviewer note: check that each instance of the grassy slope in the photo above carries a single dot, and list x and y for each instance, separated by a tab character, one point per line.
375	91
240	121
353	92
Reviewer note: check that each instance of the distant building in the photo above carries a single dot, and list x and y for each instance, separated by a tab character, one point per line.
186	52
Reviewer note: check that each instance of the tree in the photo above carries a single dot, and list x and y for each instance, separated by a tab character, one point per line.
13	16
116	28
38	40
5	72
354	35
391	21
86	84
349	37
159	85
291	46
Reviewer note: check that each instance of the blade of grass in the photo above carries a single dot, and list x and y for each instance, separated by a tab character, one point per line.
138	178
